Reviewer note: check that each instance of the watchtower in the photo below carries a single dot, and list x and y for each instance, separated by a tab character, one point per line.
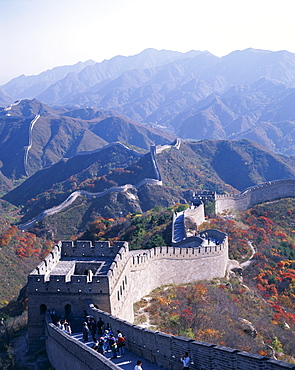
68	276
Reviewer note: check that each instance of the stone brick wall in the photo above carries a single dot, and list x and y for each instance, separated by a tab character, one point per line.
268	191
65	352
148	269
160	348
131	275
193	217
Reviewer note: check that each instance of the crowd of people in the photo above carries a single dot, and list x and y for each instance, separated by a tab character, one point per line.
104	340
64	325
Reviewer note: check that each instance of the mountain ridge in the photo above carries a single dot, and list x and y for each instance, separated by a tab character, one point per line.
189	167
195	95
62	133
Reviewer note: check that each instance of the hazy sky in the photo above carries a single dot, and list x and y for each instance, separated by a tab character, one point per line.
36	35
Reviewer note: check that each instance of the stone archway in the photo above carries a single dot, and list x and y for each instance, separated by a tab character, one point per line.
43	309
68	310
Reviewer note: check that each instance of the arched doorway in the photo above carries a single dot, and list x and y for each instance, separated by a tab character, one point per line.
43	309
68	310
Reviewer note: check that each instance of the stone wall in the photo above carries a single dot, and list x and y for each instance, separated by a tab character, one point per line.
130	276
148	269
157	347
65	291
65	352
193	216
265	192
145	270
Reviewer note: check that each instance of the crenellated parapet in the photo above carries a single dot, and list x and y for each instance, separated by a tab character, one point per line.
49	262
187	250
114	277
197	258
80	267
265	192
160	148
85	248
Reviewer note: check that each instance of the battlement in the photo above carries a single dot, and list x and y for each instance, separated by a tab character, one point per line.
185	224
265	192
76	284
253	189
85	248
84	267
49	262
191	248
80	267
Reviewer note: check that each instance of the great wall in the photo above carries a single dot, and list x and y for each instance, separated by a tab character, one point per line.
261	193
268	191
73	196
107	280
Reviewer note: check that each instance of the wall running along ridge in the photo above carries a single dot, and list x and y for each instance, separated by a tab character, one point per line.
265	192
73	196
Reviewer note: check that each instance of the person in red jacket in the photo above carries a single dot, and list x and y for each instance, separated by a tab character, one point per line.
121	344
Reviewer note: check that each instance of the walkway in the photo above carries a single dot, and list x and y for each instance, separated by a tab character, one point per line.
179	232
126	361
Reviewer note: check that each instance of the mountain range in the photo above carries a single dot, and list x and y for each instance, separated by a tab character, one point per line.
196	95
86	150
29	144
236	114
219	165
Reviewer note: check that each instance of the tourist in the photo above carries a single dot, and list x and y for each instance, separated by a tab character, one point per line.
67	327
138	365
85	331
92	327
100	348
2	325
99	325
113	344
95	344
121	343
106	338
108	328
84	315
63	324
58	324
185	359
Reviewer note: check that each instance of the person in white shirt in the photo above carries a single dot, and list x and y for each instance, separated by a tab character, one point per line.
185	359
138	365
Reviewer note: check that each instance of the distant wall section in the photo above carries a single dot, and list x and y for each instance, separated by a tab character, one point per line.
265	192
